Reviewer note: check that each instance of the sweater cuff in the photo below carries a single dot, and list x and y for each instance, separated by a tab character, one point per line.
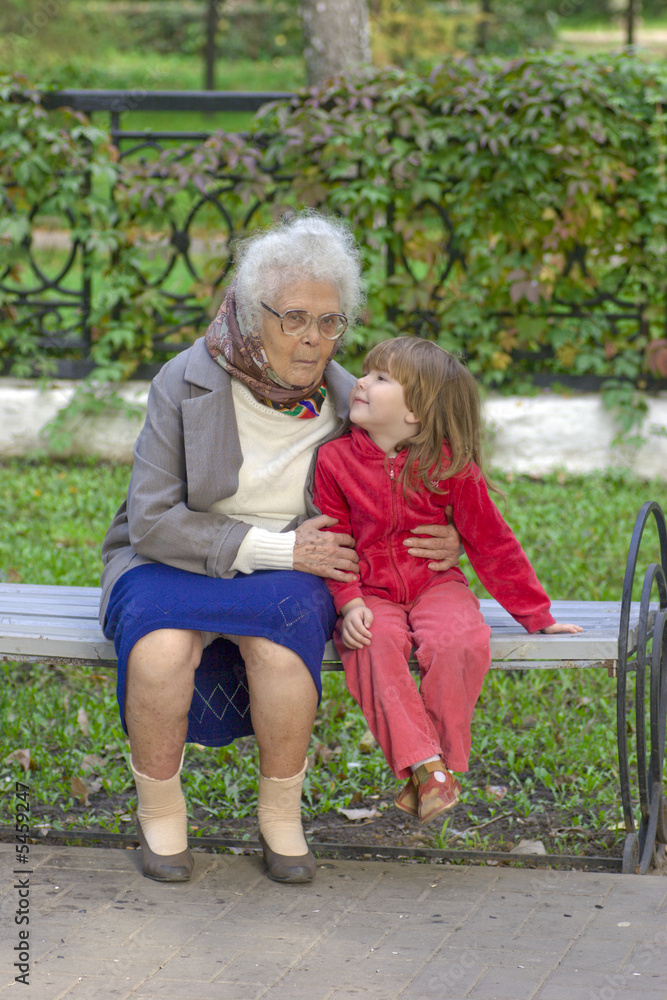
537	621
262	549
342	594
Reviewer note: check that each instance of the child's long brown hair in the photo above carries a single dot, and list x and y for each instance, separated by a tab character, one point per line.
443	395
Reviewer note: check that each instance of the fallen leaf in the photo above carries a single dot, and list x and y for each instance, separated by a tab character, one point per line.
355	814
91	762
83	721
82	790
79	790
22	757
324	753
367	742
496	791
13	575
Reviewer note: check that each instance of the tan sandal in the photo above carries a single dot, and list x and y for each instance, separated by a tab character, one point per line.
435	797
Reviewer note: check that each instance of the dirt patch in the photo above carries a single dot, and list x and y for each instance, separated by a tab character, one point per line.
479	824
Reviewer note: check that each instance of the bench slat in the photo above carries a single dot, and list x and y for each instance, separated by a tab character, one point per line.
47	622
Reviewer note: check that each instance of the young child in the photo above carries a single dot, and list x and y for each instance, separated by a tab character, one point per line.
414	450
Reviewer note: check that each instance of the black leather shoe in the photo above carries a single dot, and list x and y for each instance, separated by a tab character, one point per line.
283	868
165	867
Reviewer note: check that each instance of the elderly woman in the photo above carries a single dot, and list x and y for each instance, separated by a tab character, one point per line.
213	584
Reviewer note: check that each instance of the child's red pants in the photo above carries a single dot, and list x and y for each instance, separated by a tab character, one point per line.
451	641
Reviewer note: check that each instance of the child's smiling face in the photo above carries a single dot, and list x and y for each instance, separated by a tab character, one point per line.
377	403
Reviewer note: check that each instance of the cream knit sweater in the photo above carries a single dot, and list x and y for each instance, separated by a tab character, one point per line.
277	451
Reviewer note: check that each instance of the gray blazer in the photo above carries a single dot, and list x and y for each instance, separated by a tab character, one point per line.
186	457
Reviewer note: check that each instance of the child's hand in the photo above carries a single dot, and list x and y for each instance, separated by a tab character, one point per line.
559	627
355	628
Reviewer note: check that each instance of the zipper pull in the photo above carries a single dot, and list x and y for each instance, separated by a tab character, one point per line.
391	468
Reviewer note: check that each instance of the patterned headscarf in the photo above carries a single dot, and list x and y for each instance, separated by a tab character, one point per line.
242	354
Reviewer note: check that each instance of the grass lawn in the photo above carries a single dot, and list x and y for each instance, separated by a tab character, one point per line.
544	752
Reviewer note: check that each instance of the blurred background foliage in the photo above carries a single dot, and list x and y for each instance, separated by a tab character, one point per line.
111	43
513	211
521	200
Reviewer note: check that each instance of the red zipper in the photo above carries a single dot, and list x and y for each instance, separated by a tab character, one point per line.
394	527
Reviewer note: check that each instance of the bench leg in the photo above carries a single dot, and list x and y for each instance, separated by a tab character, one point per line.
639	854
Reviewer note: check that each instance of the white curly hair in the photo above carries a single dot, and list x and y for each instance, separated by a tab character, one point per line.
307	245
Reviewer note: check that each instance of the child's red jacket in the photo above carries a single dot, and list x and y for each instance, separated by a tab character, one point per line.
358	484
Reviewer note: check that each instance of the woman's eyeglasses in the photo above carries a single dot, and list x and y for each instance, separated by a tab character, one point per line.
295	322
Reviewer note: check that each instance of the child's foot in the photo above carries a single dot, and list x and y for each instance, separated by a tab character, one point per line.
437	790
407	799
424	796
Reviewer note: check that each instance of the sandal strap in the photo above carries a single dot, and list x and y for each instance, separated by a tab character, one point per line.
424	771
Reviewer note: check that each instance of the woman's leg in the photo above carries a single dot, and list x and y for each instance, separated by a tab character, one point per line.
283	703
379	679
452	648
160	682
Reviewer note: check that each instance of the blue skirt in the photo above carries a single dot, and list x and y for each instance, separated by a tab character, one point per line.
290	608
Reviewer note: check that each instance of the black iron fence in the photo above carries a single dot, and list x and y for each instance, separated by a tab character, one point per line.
181	262
60	279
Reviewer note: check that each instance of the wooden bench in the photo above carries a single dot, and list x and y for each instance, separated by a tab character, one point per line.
56	624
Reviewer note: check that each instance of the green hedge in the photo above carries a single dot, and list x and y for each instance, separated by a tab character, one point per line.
513	211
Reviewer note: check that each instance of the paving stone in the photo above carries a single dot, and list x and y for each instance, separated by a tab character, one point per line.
167	929
508	955
606	993
184	967
198	991
507	983
443	982
99	988
598	985
649	957
560	921
45	987
292	991
608	956
346	940
70	961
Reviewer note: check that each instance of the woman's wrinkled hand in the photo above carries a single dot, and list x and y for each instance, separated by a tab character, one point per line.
325	553
443	547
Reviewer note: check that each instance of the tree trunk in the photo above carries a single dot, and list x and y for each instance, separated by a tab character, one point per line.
337	37
631	15
209	48
483	25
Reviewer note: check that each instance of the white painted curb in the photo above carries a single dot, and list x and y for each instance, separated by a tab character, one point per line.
530	435
537	434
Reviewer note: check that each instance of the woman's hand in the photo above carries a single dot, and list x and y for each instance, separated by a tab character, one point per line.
444	547
325	553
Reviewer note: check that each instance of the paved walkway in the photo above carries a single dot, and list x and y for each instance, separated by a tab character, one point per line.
382	930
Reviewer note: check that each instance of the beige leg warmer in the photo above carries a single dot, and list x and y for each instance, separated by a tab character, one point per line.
161	812
279	814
